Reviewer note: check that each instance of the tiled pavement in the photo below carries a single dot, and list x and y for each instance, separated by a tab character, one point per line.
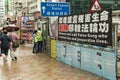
30	66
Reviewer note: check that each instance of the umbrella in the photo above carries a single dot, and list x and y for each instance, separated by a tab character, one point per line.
11	28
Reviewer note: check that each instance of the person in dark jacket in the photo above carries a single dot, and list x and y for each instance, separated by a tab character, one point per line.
1	32
6	44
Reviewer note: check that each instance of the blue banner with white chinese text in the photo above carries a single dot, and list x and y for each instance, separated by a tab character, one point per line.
55	8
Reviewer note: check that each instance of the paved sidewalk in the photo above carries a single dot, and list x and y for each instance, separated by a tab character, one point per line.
40	67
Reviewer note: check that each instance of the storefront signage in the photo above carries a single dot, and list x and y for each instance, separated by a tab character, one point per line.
55	8
91	28
25	18
37	14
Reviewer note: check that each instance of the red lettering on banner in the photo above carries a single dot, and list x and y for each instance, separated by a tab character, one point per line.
63	27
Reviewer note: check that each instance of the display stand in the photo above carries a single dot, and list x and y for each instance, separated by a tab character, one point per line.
26	32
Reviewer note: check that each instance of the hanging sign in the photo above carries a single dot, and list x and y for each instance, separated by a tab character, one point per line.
55	8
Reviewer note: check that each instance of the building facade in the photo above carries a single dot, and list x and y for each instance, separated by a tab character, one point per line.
83	6
2	9
33	6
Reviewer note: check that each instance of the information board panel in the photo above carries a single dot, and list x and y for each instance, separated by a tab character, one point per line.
90	28
55	8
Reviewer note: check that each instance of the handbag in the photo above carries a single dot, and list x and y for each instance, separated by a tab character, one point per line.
15	44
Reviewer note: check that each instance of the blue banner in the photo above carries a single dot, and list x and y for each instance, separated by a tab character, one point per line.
55	8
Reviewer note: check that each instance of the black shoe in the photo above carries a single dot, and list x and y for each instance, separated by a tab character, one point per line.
12	59
15	58
33	51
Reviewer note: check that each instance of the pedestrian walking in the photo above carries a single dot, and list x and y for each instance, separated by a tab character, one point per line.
1	32
6	44
15	45
34	41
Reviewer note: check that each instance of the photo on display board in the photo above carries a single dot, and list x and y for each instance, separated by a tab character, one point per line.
53	27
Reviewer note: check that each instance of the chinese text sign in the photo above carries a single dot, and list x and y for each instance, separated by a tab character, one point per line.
55	9
91	28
